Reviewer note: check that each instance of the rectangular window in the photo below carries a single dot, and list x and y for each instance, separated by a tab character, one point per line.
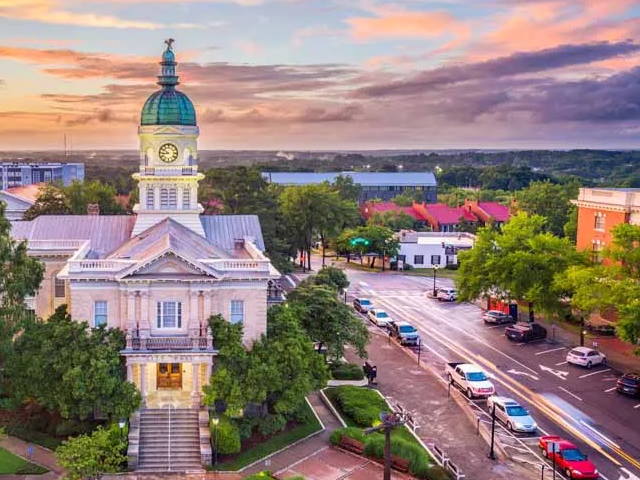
237	311
186	198
435	259
169	314
599	223
173	198
164	198
99	313
150	198
418	259
60	290
596	254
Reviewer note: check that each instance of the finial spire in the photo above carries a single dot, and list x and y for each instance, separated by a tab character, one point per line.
169	43
168	77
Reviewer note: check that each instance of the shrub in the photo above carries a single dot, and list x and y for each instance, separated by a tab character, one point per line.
351	432
228	436
419	465
452	266
272	424
303	414
347	371
436	472
361	404
245	426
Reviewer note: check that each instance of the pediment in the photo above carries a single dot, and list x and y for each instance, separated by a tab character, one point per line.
168	130
14	203
170	266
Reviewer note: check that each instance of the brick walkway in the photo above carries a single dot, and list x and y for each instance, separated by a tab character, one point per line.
41	456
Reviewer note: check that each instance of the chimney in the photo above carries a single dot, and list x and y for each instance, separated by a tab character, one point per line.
238	243
93	209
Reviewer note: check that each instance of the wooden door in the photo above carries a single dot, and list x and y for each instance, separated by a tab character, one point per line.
169	376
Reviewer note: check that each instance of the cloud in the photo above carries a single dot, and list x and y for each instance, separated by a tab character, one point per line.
48	11
392	22
516	64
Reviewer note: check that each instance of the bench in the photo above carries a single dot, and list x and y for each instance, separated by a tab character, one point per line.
351	445
399	464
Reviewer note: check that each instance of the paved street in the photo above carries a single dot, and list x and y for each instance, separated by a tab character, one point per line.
575	403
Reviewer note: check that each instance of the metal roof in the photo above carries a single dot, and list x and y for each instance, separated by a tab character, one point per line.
222	230
367	179
106	232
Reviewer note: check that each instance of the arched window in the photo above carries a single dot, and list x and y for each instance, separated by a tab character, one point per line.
150	198
164	197
173	199
148	157
186	198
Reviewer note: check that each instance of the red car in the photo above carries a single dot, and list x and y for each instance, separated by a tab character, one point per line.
568	459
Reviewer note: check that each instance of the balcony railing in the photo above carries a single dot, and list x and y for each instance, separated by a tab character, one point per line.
139	341
100	265
170	171
239	265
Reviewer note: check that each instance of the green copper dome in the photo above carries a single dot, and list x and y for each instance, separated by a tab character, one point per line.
168	106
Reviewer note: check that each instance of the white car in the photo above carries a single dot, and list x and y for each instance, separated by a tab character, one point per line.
586	357
379	317
447	294
512	414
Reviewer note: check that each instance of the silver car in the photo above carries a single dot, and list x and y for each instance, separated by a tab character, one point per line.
512	414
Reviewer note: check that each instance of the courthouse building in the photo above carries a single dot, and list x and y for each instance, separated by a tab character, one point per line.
161	273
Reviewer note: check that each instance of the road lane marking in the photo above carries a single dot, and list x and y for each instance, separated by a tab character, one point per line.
558	373
364	284
288	277
516	372
561	363
594	373
567	391
549	351
610	389
637	406
600	434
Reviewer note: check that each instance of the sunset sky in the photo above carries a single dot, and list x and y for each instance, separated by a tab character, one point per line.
327	74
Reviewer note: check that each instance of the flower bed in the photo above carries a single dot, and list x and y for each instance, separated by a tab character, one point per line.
360	408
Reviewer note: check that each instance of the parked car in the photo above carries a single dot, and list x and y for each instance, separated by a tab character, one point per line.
629	384
379	317
512	414
497	317
363	305
447	294
568	458
525	332
404	332
586	357
470	378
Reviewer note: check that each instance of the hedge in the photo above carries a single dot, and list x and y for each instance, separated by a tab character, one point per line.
228	436
362	405
347	371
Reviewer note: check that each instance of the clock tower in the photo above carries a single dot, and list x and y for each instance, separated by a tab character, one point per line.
168	177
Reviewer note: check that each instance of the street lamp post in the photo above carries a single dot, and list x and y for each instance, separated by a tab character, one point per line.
215	420
582	331
389	422
122	424
435	269
492	454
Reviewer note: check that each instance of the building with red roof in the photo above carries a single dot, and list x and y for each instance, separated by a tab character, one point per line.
443	218
488	212
368	209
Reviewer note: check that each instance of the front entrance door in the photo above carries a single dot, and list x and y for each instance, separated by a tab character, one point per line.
169	376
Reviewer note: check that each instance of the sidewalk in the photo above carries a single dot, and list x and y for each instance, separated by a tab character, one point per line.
281	461
41	456
440	420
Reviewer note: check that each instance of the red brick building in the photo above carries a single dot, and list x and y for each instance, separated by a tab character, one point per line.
599	211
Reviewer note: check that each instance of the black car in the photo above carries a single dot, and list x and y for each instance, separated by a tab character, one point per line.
525	332
629	384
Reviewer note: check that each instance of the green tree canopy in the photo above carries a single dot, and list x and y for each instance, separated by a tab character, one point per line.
328	320
551	201
91	456
395	221
73	370
518	262
333	277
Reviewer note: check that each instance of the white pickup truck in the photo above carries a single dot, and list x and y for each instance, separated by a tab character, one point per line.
470	378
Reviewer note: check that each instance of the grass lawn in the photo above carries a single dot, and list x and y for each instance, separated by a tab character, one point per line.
12	464
402	433
272	445
428	272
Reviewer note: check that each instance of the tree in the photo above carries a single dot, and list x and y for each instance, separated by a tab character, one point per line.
327	320
20	277
346	188
550	201
68	368
395	221
518	262
379	241
407	198
91	456
82	194
465	225
333	277
50	201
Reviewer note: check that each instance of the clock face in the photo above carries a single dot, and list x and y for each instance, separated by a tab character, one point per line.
168	153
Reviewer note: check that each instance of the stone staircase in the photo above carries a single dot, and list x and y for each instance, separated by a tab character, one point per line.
169	440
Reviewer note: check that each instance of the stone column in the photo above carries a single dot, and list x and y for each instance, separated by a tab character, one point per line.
143	197
179	199
194	322
156	198
207	374
208	296
195	388
131	309
130	371
143	383
145	324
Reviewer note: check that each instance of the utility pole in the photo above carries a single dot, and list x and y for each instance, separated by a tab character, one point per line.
492	454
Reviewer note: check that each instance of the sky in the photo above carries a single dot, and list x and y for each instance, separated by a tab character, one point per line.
326	74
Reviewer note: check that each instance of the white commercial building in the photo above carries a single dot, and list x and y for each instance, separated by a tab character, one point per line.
426	249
